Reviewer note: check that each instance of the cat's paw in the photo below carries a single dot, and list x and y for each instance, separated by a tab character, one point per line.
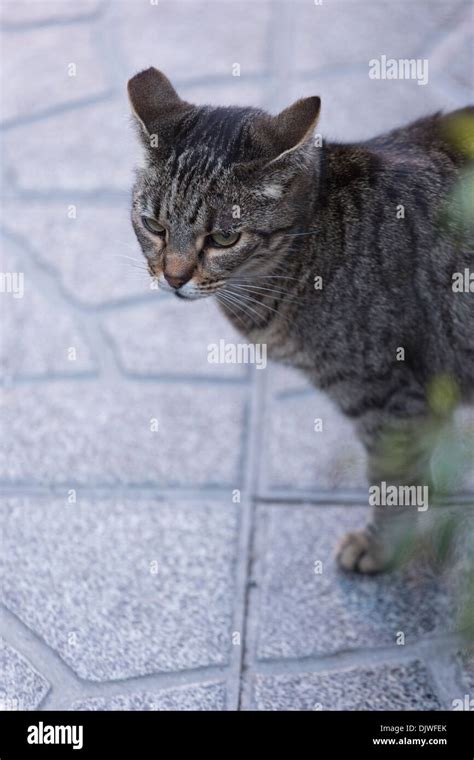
358	553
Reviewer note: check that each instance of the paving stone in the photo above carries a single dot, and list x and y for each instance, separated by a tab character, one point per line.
466	664
343	32
88	149
388	687
302	612
21	686
204	38
103	433
296	456
452	54
462	62
210	696
95	255
284	382
39	336
123	587
18	12
172	337
42	59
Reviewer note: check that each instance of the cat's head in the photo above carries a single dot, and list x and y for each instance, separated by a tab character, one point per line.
219	188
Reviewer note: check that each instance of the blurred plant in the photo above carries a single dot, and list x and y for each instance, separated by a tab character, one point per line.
448	532
452	532
454	529
459	132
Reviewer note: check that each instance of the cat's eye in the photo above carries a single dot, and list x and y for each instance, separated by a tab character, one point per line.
153	226
223	239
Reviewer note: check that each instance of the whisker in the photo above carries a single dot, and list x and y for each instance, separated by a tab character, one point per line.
227	303
269	277
249	299
299	234
243	303
260	288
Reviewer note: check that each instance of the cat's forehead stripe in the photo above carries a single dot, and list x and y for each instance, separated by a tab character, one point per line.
195	175
192	184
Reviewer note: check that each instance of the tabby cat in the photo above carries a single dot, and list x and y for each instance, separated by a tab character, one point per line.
340	258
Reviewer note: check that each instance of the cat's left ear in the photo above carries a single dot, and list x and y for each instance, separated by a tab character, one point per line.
154	101
294	126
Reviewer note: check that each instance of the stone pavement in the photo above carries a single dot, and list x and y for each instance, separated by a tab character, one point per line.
163	517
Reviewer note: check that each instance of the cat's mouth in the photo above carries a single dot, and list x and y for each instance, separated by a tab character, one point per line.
189	291
188	297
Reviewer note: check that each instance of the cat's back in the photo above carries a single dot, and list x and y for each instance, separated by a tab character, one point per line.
450	134
395	205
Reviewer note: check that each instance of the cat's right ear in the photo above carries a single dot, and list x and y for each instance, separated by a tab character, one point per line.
153	99
276	140
294	126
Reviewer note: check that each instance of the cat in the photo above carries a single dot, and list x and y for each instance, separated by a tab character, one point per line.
340	258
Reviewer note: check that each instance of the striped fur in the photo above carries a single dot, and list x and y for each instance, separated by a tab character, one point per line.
330	212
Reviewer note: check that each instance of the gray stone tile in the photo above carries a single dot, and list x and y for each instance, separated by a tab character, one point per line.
18	12
343	32
186	39
39	336
302	612
123	587
385	687
21	686
172	337
86	149
103	433
452	57
211	696
95	255
462	64
297	456
284	382
37	70
466	664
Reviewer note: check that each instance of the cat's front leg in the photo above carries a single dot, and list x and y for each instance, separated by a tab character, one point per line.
380	545
399	454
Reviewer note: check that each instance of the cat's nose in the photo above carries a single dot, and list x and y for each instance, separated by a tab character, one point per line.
176	282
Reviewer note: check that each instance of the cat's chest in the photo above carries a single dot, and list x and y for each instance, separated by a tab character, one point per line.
281	345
